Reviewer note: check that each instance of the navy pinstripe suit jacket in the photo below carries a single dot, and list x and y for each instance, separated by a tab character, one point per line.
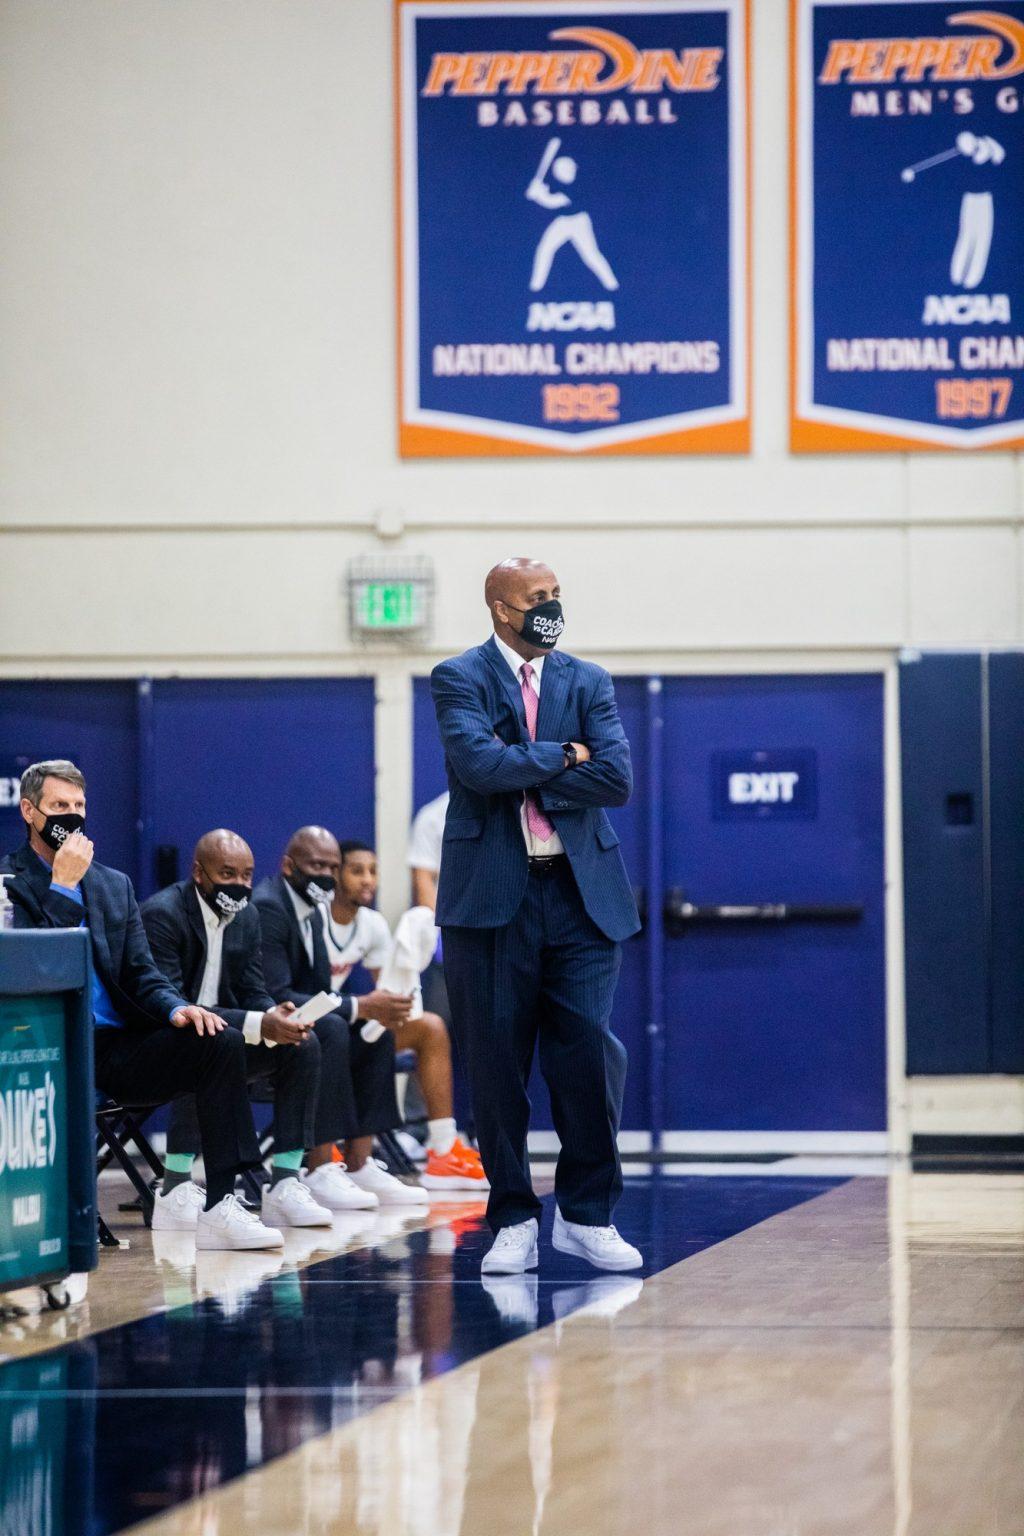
491	760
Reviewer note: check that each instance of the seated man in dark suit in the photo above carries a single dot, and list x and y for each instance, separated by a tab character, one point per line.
151	1044
205	937
296	967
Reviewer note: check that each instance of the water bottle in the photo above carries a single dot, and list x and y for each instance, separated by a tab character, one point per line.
6	906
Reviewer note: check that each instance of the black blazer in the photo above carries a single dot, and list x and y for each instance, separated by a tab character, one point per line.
289	975
143	997
177	937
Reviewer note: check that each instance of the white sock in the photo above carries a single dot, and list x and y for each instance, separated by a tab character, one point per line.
442	1134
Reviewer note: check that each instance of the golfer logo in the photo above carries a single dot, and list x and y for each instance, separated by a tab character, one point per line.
575	229
977	212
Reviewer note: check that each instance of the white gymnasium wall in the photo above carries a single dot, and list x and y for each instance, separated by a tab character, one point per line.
197	390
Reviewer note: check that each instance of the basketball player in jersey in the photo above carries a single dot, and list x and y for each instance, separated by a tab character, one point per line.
356	934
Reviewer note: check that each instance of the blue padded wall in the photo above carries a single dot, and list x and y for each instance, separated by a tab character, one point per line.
962	733
944	864
1006	819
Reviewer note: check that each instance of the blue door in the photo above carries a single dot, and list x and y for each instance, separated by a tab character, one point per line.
774	795
95	725
262	756
771	795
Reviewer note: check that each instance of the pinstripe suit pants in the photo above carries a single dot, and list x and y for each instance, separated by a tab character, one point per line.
549	976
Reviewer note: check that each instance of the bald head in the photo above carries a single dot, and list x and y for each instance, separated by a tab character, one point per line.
220	844
511	589
222	867
510	579
315	842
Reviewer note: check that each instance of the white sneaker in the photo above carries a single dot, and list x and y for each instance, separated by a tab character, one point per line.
230	1225
513	1250
331	1185
289	1203
178	1210
600	1246
374	1179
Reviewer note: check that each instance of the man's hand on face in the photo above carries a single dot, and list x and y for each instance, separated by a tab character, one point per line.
72	859
389	1008
582	753
279	1026
201	1019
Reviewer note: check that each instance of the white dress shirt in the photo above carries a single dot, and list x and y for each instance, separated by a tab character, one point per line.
209	991
535	848
304	913
425	838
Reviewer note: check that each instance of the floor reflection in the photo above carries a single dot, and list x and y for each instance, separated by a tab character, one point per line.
255	1355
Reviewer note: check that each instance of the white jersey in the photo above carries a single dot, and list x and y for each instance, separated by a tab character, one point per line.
427	832
365	941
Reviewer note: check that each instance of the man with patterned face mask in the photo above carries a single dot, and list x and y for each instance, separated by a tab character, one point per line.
296	967
533	902
205	937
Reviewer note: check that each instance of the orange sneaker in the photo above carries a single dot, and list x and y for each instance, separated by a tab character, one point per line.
460	1168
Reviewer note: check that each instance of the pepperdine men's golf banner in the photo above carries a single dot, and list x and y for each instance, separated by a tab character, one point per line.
907	152
573	226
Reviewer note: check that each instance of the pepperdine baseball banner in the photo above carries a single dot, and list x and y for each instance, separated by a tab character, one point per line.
907	155
573	215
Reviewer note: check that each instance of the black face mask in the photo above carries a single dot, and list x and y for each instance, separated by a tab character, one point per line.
57	829
542	625
315	888
227	898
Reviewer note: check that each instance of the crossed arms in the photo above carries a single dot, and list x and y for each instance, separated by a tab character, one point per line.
484	764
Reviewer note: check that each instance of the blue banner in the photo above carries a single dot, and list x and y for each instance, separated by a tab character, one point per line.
573	190
908	140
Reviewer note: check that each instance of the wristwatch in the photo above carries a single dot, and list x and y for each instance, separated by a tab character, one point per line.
570	754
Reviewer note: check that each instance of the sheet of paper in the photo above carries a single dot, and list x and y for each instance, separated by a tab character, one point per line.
316	1007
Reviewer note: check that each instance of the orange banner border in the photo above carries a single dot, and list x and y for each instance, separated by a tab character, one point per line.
417	441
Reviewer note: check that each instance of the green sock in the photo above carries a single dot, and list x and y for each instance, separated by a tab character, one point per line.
177	1170
285	1165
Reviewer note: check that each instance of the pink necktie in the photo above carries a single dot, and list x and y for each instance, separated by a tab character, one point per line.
535	818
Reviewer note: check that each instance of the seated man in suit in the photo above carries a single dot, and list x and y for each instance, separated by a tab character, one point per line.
296	967
205	937
151	1043
357	934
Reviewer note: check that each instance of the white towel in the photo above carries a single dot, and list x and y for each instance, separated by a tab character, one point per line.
412	949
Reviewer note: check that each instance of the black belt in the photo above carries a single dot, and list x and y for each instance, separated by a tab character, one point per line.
547	864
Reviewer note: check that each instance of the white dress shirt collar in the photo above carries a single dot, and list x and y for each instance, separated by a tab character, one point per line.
515	661
209	991
304	910
212	919
300	905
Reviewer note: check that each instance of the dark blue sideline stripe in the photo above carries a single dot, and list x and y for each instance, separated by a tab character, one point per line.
115	1428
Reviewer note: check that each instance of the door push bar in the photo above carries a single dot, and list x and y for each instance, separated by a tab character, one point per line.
679	912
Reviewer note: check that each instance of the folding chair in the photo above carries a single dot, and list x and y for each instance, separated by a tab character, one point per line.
118	1127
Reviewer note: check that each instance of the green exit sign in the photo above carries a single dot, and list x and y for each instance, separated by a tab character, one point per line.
387	605
390	599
